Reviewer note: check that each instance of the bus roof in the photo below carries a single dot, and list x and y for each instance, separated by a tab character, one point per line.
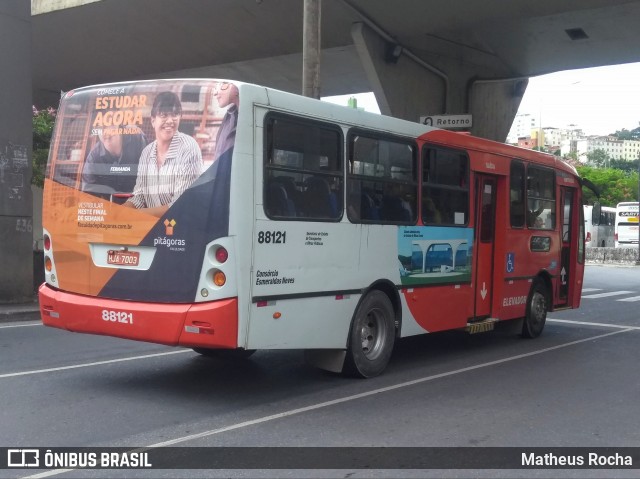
471	142
383	122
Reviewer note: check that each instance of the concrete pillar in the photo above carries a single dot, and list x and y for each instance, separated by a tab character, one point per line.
16	226
403	87
407	87
494	105
311	48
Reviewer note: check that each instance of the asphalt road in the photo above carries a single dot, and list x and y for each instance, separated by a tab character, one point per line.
575	386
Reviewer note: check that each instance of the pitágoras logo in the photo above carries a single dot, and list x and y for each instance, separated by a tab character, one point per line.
169	224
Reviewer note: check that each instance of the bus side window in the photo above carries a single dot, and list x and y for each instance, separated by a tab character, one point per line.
445	190
278	203
541	198
516	193
382	179
319	200
303	176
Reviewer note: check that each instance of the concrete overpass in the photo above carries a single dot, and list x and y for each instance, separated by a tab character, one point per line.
459	56
418	57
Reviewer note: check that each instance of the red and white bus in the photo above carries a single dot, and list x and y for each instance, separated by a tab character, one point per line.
308	225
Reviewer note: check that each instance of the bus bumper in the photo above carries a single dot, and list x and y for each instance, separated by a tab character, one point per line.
206	325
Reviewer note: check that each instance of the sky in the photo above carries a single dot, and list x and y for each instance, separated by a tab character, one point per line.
598	100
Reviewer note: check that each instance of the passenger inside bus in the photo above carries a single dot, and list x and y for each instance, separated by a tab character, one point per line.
430	213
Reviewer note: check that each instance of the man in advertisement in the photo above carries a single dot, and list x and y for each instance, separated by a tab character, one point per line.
111	166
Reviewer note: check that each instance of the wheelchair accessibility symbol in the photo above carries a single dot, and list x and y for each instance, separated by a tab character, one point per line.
511	260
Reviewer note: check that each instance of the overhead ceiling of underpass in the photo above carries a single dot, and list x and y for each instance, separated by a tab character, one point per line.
261	40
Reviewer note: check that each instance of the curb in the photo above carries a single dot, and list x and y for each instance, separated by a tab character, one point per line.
10	313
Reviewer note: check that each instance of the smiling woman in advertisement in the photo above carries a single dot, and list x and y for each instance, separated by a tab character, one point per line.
168	165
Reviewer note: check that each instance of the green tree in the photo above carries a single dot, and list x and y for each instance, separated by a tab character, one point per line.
598	158
614	185
43	121
627	166
625	134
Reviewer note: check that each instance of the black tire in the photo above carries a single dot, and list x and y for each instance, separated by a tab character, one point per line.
371	336
536	313
230	354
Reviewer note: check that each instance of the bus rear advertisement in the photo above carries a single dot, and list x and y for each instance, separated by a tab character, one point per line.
228	218
626	224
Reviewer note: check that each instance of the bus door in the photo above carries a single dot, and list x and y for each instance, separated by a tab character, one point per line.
484	243
568	233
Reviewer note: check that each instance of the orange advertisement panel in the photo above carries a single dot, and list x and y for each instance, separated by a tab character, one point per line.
137	184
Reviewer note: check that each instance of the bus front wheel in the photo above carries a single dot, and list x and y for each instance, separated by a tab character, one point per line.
536	313
371	336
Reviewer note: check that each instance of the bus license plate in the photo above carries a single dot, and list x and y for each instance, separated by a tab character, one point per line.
123	258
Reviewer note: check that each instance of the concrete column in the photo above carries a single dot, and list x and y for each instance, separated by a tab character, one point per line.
403	87
407	87
16	225
311	48
494	105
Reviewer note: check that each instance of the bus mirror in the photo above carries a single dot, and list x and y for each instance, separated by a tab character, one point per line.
590	185
595	213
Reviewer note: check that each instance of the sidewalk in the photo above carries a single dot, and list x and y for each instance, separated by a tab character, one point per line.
19	312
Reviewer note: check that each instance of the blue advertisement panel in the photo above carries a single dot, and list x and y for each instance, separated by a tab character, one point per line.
430	255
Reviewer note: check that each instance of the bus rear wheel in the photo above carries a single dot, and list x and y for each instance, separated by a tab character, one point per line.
536	313
230	354
371	336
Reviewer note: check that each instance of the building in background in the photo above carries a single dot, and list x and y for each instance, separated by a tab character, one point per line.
571	141
521	127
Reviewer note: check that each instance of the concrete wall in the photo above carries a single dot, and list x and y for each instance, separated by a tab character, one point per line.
621	256
16	226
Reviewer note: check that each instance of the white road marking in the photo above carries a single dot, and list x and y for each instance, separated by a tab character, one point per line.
630	299
96	363
21	325
590	290
586	323
605	295
313	407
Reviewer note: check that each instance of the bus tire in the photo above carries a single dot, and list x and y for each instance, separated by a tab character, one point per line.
231	354
371	336
536	313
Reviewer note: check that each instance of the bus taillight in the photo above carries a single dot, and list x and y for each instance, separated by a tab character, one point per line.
588	236
219	278
221	255
48	265
47	243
